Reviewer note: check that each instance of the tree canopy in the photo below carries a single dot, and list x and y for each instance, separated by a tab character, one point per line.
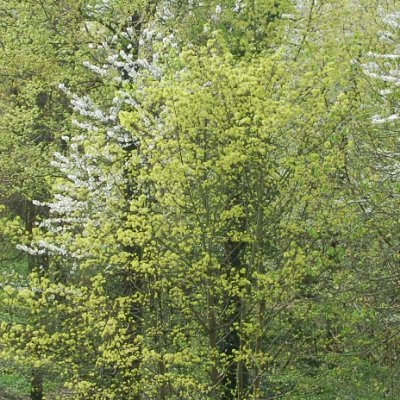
200	200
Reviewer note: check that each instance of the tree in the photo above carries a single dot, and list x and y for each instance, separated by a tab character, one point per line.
42	44
205	229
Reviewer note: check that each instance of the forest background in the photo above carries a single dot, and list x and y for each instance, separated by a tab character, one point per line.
199	200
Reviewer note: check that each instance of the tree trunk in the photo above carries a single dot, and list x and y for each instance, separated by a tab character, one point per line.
33	262
212	340
36	385
234	379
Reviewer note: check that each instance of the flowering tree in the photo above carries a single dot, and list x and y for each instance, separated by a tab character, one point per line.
204	228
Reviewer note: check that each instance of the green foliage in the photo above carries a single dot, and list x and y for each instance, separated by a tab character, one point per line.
13	386
229	232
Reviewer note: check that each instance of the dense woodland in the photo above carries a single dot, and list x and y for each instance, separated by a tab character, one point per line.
199	200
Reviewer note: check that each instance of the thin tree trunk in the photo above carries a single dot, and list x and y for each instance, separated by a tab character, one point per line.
258	344
261	271
233	380
36	385
212	340
33	261
242	374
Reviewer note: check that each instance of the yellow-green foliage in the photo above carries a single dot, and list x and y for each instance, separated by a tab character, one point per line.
223	259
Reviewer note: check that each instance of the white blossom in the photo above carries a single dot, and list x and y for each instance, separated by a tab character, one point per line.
239	6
